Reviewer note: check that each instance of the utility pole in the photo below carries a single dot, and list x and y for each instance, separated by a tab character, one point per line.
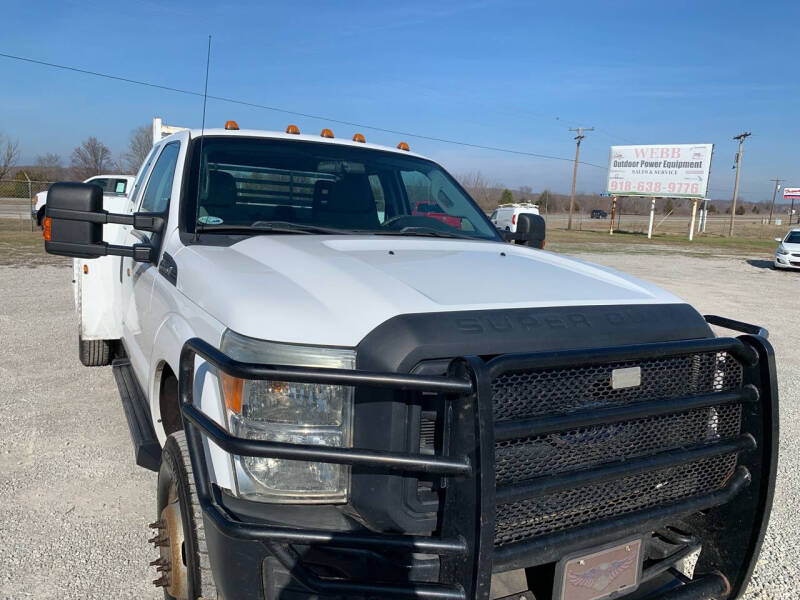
741	137
774	193
578	137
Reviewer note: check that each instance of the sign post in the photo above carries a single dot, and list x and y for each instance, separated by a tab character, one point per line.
705	214
652	216
613	211
694	215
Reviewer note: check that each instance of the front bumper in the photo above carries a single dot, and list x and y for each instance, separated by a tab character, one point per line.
254	558
786	261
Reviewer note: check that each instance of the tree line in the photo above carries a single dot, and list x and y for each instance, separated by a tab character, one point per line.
91	157
489	195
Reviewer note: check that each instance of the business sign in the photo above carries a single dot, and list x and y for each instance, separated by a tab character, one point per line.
790	193
676	170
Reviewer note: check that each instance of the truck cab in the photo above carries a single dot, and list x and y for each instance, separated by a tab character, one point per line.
344	397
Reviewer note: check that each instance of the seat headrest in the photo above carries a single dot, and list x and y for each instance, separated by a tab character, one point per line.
351	194
221	189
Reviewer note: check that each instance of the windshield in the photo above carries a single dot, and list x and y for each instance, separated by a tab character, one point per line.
792	238
276	185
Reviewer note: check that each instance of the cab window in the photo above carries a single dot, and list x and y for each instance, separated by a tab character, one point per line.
159	187
100	182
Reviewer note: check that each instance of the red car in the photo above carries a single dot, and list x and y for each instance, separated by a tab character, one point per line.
433	211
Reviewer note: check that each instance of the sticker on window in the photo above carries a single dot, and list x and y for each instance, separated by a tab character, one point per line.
209	220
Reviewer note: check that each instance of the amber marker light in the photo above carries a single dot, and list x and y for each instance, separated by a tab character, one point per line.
232	390
403	146
359	138
293	129
327	133
47	230
231	126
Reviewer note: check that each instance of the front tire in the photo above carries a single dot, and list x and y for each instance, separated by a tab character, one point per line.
94	353
181	539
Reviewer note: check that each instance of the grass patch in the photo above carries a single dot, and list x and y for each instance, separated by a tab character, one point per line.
562	240
21	247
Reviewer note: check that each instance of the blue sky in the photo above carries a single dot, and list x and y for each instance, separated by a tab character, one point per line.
508	74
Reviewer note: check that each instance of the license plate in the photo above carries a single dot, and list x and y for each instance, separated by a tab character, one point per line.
595	574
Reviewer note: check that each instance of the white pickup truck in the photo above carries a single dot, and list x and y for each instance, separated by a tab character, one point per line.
344	399
117	186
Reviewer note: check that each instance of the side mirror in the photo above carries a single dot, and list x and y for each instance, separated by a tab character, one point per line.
778	239
530	231
65	236
73	224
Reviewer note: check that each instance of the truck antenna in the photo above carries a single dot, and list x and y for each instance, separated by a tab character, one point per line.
202	131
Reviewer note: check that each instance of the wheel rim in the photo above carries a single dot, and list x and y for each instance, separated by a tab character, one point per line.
171	544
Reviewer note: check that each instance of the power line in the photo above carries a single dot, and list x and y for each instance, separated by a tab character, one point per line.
615	136
295	113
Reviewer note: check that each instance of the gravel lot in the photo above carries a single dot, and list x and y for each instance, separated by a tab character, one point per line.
75	508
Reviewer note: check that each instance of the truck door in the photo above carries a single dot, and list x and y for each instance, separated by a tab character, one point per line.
138	323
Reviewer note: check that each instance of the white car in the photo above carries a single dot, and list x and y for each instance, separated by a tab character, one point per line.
787	256
506	215
345	399
116	185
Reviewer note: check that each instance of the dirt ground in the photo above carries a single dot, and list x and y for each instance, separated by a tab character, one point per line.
75	508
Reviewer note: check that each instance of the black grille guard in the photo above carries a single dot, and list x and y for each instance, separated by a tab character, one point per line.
465	540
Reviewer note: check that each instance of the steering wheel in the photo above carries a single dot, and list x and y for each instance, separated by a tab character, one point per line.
403	221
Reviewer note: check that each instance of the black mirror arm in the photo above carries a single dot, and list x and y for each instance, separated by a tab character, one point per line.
141	221
138	252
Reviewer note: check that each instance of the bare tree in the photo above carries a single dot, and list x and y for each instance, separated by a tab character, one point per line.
49	167
525	192
479	189
91	158
139	146
9	154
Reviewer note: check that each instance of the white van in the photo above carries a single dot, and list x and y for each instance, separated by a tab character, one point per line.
505	216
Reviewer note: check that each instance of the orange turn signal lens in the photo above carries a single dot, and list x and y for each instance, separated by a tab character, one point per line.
403	146
47	229
231	125
359	138
85	269
232	390
294	129
327	133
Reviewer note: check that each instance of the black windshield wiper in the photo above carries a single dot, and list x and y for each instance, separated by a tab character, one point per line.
427	232
270	227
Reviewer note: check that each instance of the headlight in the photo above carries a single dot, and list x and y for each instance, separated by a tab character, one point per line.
300	413
782	250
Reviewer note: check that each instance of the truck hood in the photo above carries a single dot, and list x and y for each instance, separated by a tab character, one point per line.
790	247
333	290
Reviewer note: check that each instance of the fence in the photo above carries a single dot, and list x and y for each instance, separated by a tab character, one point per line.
17	200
